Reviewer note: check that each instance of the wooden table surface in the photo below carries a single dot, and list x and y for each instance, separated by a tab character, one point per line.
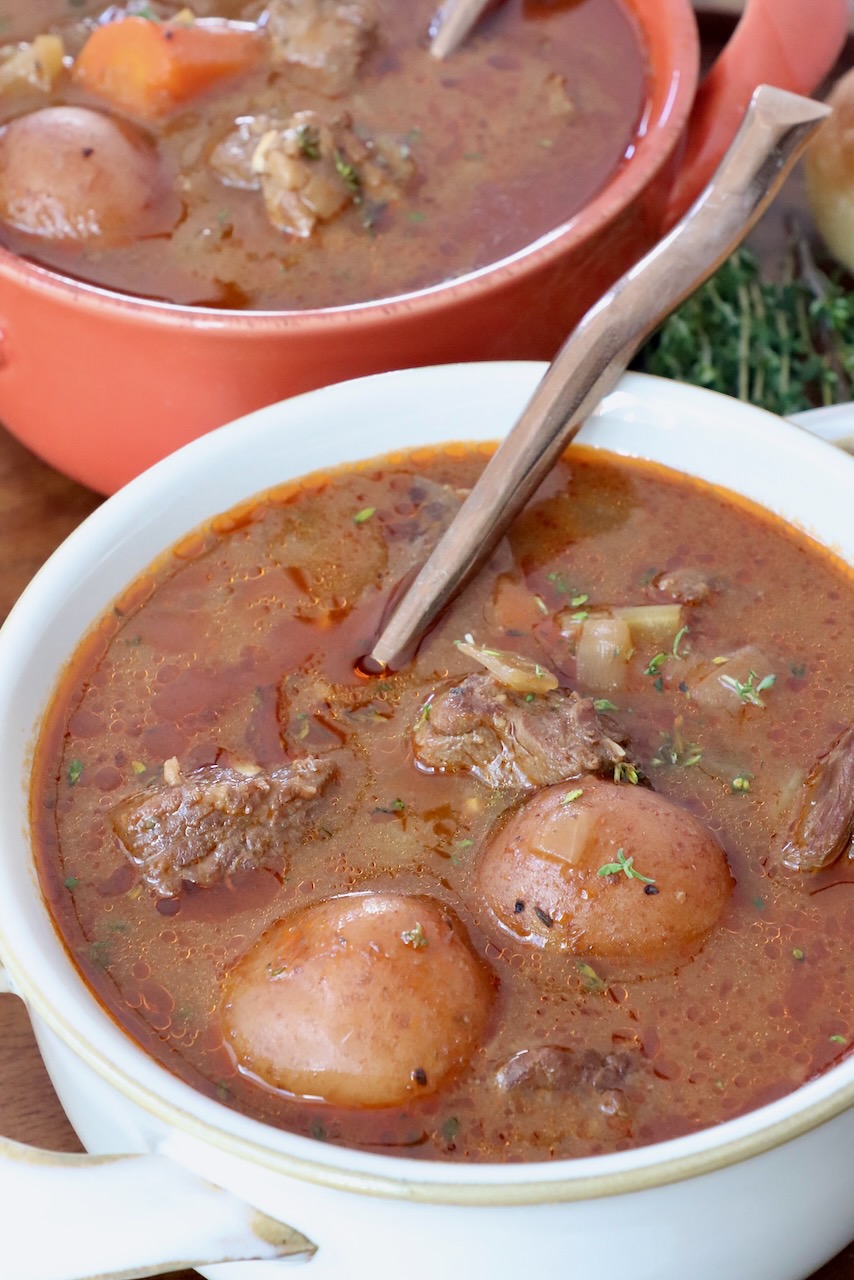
38	508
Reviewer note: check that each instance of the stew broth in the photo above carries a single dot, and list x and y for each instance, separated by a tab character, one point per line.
244	642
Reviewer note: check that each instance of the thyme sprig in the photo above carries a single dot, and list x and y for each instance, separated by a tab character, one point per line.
787	345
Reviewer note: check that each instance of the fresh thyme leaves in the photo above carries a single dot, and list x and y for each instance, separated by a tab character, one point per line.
414	937
748	691
655	664
785	345
657	661
625	772
308	140
626	866
450	1128
589	977
577	597
75	769
605	704
673	751
349	175
365	514
680	634
571	795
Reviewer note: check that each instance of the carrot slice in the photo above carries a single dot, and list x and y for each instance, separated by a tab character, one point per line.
149	68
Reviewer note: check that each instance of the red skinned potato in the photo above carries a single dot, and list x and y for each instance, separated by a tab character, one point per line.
610	871
365	1000
77	177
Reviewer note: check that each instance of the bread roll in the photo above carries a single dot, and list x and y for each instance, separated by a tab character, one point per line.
830	174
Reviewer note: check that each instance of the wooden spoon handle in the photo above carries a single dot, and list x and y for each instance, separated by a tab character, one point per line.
774	132
452	23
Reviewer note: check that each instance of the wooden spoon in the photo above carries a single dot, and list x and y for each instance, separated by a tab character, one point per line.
452	23
776	128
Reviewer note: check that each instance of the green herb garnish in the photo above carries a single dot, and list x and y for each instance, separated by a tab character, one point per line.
749	691
348	173
308	141
450	1128
786	345
414	937
677	641
589	976
673	751
626	866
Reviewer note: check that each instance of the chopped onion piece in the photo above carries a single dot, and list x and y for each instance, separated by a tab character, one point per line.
652	623
511	669
38	65
604	649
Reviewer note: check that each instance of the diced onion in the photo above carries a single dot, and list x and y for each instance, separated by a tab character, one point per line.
604	649
654	624
511	669
38	64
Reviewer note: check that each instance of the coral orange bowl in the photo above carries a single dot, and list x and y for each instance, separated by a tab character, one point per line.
101	385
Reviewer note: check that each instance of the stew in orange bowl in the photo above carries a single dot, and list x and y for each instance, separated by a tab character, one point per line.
289	156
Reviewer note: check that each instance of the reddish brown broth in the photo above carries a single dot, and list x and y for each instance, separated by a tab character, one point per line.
495	168
189	663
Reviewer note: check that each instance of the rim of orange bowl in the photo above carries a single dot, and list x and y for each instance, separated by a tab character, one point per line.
672	78
68	1008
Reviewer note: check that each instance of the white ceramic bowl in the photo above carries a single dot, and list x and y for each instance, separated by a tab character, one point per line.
767	1194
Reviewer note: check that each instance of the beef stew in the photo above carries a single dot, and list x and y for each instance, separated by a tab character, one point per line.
623	953
306	155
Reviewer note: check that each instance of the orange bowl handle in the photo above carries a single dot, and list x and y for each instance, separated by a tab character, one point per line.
791	44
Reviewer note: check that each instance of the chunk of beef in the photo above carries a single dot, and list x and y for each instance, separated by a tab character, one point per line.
321	43
822	824
309	168
686	586
511	739
561	1069
217	821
